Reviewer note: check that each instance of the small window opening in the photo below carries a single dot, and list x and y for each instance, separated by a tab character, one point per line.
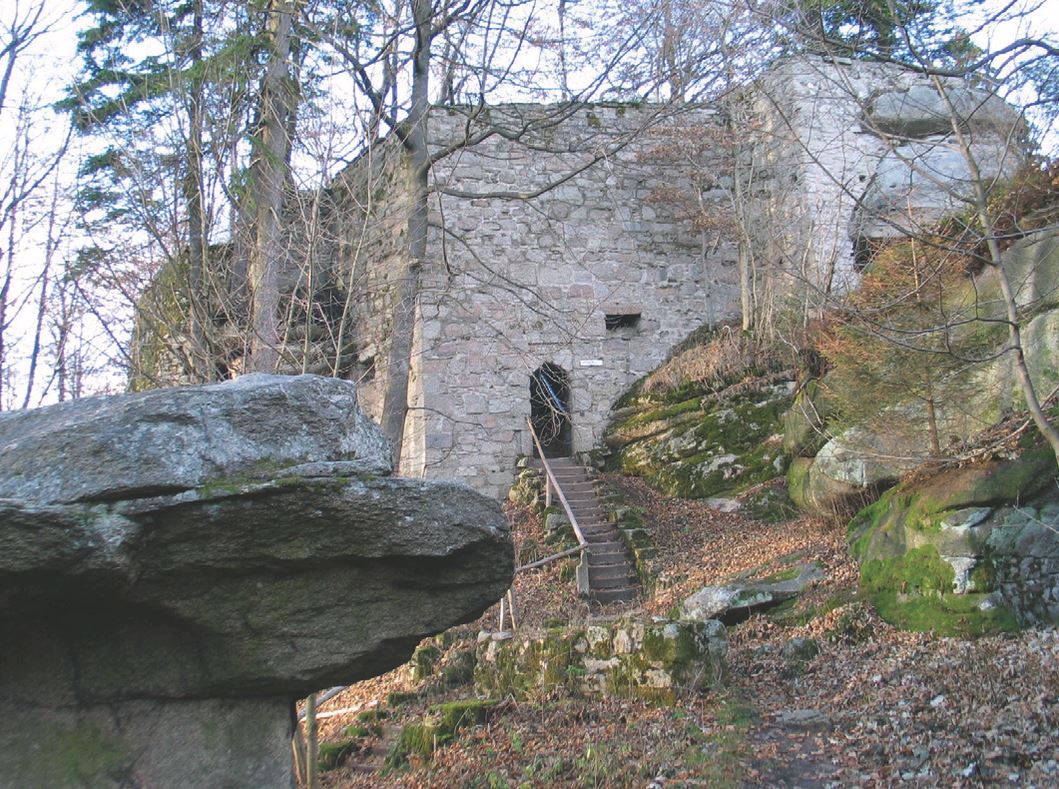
621	320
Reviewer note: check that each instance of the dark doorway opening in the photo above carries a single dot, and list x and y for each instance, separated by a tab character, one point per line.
550	410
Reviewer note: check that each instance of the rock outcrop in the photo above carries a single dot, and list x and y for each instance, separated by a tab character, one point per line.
736	601
972	550
923	175
177	566
836	467
704	445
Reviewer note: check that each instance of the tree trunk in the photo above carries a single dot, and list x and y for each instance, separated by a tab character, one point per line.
201	354
981	204
268	176
395	403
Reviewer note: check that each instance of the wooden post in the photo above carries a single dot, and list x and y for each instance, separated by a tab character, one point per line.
511	608
297	745
503	601
312	767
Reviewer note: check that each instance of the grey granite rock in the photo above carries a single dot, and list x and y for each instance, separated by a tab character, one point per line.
233	552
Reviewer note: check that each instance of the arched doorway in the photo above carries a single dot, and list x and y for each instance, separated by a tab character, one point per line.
550	410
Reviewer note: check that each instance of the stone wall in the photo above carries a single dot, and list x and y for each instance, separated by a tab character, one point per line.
516	279
654	660
839	151
546	219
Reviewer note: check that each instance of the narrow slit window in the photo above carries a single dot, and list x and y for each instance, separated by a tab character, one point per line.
621	320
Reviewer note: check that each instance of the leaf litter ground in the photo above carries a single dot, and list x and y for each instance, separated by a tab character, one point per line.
875	707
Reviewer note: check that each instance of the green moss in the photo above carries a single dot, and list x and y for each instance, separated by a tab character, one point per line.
423	661
416	739
690	432
788	574
374	715
920	571
593	120
397	697
914	592
994	483
455	715
662	414
984	575
460	669
363	729
864	525
948	615
73	757
332	754
798	481
441	727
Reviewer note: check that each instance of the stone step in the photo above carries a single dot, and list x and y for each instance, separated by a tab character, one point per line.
625	595
599	528
606	584
607	572
586	509
611	577
605	549
609	560
599	532
585	517
612	567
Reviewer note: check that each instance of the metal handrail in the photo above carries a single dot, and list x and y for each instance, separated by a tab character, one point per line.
507	602
558	490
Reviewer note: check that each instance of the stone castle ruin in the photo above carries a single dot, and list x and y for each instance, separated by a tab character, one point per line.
571	251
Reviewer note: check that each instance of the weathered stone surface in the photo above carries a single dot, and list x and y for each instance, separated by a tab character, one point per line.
734	602
705	445
170	440
979	539
804	422
816	492
129	605
654	659
920	111
918	182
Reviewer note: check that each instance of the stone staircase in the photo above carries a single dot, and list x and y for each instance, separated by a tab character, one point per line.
611	575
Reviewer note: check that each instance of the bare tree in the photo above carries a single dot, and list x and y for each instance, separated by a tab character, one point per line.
954	160
31	208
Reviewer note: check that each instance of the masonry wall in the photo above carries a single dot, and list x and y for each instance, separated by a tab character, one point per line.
807	161
839	150
369	204
516	279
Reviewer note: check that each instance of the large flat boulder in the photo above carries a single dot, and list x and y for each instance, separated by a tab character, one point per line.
164	598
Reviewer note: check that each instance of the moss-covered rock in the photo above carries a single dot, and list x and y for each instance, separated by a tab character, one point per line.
424	659
459	668
804	423
651	660
333	754
814	491
440	727
703	445
971	550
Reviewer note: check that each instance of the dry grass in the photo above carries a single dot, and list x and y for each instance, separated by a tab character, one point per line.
726	356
